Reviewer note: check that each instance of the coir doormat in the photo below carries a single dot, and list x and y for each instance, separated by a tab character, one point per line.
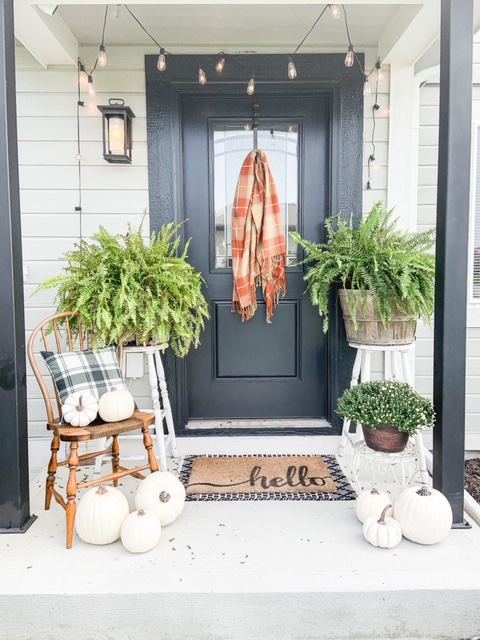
260	477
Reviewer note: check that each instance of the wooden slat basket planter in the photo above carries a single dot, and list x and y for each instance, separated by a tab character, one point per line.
400	330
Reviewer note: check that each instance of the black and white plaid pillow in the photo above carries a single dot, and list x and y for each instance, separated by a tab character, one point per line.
90	371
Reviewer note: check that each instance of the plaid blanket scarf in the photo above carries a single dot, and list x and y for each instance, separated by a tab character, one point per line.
258	241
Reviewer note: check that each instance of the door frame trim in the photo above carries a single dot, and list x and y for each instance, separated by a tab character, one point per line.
320	73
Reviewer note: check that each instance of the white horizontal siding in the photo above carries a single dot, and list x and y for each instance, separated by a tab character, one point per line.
426	216
111	195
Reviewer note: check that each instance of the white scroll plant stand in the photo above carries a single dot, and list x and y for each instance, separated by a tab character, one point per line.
412	459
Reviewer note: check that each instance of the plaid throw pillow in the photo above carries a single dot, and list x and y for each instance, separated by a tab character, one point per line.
78	371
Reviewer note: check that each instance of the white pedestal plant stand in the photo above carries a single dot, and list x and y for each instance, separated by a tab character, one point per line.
396	367
161	409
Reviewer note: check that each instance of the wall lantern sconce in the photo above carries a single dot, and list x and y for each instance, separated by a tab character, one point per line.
117	131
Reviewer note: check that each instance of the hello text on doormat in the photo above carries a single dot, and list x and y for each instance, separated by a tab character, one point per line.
264	477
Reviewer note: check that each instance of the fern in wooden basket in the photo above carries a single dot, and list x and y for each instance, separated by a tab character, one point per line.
375	258
125	287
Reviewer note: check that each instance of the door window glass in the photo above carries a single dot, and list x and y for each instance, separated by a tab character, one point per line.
232	142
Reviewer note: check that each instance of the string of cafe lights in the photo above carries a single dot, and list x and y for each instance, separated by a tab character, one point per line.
85	77
336	11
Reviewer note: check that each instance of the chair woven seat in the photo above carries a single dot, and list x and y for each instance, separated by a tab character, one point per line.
66	433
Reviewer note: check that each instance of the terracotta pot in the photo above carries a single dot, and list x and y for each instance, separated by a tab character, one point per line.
385	438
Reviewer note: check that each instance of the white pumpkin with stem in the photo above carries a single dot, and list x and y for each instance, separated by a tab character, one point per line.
425	515
384	532
371	503
141	531
80	409
100	515
116	405
163	493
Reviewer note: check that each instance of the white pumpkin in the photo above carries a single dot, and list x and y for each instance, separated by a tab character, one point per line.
116	404
425	515
141	531
163	493
100	515
80	409
371	503
384	532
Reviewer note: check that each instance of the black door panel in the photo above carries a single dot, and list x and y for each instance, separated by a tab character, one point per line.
253	369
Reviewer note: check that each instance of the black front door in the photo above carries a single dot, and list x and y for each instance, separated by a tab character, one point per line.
252	369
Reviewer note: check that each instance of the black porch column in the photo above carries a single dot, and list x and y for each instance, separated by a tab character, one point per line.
14	492
453	201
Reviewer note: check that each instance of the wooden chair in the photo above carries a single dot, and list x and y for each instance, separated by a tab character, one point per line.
63	338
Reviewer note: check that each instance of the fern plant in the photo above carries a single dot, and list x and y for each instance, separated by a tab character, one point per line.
395	267
123	287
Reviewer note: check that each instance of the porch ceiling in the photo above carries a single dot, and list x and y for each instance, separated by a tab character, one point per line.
232	28
186	27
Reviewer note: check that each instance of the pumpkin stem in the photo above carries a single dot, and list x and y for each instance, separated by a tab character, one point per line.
374	492
80	405
140	512
381	520
102	490
423	491
164	496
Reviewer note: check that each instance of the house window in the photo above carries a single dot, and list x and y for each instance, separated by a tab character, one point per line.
476	218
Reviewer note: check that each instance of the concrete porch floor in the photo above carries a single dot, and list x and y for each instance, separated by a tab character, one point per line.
239	570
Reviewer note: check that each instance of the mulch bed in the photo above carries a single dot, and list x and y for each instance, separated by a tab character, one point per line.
472	478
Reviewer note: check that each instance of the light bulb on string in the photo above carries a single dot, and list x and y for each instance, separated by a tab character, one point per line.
162	61
335	11
220	65
82	76
102	57
91	88
78	156
202	78
251	87
350	57
367	90
378	67
115	12
373	164
291	69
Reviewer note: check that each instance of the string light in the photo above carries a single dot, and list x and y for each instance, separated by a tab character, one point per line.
378	68
372	164
82	76
291	69
335	11
162	61
102	57
367	90
91	88
220	65
350	57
